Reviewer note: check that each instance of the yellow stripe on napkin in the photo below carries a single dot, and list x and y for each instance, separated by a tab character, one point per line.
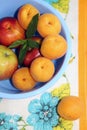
83	61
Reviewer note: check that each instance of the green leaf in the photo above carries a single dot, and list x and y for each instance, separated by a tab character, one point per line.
62	91
17	43
25	47
22	53
20	119
32	44
32	27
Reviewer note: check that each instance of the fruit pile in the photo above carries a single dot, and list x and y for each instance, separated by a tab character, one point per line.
28	44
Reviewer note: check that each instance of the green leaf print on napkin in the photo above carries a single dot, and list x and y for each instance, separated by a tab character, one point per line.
62	6
71	59
64	125
62	91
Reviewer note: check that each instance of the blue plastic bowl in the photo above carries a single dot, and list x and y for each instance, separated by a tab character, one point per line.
9	8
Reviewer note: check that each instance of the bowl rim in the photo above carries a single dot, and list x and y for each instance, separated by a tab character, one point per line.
62	69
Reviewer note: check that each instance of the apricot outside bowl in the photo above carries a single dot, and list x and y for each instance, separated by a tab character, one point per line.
9	8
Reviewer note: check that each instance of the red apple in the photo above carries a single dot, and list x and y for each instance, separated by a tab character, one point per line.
30	56
37	39
10	31
8	62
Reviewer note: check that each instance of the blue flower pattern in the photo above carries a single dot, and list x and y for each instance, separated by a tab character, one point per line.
43	112
7	122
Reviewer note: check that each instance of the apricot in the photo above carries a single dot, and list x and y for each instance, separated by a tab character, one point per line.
22	79
48	24
53	46
70	108
25	14
42	69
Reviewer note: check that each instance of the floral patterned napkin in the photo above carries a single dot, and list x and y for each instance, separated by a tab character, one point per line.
39	112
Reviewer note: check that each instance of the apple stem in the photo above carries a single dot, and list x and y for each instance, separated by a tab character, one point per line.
6	55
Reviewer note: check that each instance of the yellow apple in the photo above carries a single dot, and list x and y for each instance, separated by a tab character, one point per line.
25	14
8	62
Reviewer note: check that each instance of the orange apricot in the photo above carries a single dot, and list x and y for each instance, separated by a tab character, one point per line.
42	69
23	80
53	46
25	14
48	24
70	108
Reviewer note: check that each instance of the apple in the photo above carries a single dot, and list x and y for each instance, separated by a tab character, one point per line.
10	31
8	62
30	56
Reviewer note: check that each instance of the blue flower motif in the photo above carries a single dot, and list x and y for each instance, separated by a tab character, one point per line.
51	1
8	122
12	126
43	112
3	121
